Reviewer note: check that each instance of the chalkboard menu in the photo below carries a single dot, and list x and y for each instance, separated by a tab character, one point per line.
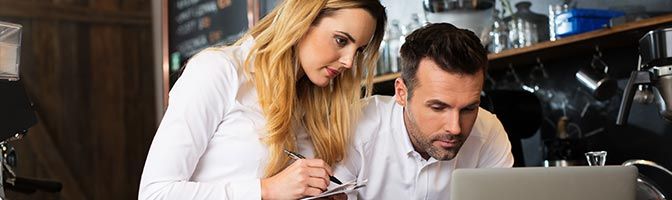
197	24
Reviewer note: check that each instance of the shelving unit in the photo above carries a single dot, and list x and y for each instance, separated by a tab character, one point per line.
627	34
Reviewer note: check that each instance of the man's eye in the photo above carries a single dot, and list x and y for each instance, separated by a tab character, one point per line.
436	108
469	109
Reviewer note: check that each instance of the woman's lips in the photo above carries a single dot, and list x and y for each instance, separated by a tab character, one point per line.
332	72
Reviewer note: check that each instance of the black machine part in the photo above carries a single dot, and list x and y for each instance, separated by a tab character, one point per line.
17	113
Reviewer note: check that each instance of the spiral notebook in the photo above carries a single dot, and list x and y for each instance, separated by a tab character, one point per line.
343	188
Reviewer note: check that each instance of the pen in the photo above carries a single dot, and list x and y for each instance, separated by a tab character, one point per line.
297	156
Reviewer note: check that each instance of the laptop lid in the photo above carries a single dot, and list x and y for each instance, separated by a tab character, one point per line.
545	183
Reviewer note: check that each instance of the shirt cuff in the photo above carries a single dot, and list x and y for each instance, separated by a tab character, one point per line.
246	189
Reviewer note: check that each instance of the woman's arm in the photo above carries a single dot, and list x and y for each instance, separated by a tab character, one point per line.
198	102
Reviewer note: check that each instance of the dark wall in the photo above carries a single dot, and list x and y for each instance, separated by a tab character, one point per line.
646	136
87	66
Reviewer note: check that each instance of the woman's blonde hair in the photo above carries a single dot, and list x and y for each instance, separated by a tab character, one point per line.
289	101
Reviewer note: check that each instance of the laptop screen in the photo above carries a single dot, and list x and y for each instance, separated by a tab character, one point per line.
540	183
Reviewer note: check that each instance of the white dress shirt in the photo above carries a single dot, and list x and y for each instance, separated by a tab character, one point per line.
209	145
382	153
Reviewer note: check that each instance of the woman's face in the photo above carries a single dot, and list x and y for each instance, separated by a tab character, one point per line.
329	48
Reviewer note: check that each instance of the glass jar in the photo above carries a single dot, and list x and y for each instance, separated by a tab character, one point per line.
531	27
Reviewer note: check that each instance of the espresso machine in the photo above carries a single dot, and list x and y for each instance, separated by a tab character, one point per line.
17	115
652	80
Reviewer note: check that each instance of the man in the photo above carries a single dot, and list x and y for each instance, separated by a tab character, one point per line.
407	145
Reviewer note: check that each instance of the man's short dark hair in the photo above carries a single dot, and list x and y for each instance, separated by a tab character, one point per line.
453	49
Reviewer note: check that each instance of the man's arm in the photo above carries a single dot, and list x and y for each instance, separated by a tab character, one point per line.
496	151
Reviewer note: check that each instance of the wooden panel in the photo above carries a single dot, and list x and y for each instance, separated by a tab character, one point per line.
138	97
88	68
108	122
50	11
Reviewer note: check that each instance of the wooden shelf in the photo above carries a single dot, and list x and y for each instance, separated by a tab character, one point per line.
386	77
627	34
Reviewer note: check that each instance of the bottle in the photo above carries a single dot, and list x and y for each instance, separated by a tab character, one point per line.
554	9
499	35
383	62
413	25
394	40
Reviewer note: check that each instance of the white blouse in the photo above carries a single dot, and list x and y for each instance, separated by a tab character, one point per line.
208	145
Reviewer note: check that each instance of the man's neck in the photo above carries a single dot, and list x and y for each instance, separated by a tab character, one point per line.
411	128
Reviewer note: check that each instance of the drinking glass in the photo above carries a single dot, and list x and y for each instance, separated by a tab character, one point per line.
596	158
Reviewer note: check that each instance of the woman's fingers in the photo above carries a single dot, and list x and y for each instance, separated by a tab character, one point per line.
318	163
318	183
311	191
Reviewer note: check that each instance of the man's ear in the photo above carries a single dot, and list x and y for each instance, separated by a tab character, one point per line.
400	91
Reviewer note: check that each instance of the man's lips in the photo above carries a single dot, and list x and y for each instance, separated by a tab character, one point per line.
447	143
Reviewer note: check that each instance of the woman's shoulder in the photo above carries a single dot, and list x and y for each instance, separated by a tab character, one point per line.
225	61
216	57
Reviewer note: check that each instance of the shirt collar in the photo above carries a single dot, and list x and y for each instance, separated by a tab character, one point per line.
246	47
402	137
399	130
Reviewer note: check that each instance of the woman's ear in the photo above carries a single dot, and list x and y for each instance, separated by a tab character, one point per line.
400	91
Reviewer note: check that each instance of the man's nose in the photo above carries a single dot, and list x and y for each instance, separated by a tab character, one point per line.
452	123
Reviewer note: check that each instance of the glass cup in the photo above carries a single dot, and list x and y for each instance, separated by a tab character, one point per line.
596	158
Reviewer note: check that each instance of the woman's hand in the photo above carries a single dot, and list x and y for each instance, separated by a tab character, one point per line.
304	177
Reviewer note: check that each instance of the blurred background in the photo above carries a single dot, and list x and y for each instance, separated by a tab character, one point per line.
96	76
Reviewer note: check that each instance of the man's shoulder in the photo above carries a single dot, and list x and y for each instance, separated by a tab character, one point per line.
376	104
485	124
376	114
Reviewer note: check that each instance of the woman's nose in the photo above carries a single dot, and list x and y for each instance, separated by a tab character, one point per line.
346	61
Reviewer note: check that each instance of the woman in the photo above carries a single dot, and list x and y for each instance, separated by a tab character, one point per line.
293	82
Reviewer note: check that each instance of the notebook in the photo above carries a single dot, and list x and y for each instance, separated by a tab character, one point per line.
545	183
343	188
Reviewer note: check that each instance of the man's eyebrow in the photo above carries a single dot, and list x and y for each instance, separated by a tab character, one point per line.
441	103
436	101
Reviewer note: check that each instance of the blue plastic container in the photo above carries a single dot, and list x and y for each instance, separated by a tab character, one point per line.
577	21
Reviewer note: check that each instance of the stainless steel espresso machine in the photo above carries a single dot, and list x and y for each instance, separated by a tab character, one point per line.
16	115
652	81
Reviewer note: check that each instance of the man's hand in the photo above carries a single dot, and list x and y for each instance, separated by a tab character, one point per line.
304	177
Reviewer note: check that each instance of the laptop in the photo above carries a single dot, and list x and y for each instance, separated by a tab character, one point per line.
545	183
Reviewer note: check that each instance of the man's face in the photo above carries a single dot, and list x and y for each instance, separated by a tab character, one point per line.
442	110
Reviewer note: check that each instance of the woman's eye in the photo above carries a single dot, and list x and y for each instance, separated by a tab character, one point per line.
341	41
